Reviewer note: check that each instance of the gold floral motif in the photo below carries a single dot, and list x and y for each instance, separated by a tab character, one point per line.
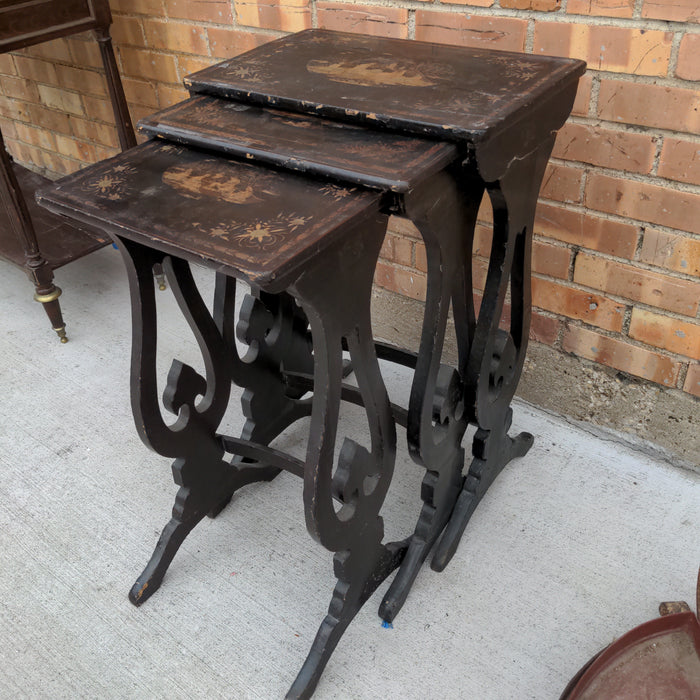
265	234
248	71
112	184
220	231
336	191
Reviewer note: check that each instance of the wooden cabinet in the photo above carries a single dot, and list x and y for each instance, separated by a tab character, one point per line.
30	236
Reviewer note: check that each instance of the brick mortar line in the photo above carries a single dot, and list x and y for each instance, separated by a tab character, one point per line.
649	24
625	128
613	335
205	24
682	374
78	163
530	35
675	48
645	178
405	268
618	218
630	262
617	298
551	241
641	79
61	112
648	178
627	322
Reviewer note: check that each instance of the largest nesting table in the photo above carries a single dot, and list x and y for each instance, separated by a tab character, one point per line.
282	170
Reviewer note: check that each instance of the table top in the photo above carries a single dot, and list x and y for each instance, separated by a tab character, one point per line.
242	219
447	92
348	152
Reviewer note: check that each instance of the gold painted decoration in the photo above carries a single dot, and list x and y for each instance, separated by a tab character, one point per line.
380	72
260	233
237	184
112	185
336	192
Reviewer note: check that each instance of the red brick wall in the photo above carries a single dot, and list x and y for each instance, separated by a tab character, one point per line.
617	251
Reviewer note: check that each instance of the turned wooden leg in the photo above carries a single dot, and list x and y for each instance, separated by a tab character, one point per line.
38	269
47	293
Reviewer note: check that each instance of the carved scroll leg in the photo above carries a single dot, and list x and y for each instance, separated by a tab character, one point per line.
335	293
496	356
359	575
198	402
492	450
445	216
191	505
275	330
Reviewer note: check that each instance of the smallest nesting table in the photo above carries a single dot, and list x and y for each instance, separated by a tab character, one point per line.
283	173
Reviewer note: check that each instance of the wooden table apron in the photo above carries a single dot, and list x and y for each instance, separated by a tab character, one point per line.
311	306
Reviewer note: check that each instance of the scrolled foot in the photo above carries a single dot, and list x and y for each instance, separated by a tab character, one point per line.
492	451
356	585
152	576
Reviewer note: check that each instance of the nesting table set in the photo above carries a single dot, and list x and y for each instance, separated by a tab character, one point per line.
282	170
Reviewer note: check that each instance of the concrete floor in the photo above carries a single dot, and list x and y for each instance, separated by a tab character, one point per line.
572	546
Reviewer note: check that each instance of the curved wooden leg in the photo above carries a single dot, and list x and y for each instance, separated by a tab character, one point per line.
336	298
496	356
200	470
436	417
276	332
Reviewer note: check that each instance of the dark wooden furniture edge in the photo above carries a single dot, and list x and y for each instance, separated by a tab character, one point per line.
84	241
99	16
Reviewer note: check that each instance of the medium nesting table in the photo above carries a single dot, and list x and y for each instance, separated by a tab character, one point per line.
282	170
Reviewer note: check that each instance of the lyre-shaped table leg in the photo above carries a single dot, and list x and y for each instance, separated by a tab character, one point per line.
200	469
445	216
496	356
335	295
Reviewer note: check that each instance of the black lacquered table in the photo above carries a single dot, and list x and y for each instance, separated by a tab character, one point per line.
282	170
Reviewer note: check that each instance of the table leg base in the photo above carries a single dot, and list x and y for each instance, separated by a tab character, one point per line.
359	575
492	451
191	506
440	491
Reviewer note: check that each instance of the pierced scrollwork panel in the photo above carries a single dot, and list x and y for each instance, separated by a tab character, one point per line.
342	503
445	214
496	355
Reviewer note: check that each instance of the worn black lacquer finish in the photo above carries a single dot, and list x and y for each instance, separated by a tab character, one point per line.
501	109
309	247
321	279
